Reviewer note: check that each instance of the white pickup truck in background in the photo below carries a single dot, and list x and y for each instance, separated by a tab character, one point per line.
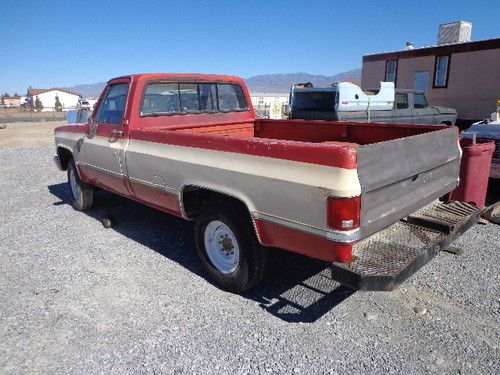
345	101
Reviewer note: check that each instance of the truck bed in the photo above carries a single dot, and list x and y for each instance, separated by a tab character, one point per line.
400	167
311	131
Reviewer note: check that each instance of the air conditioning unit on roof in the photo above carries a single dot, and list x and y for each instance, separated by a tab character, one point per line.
455	32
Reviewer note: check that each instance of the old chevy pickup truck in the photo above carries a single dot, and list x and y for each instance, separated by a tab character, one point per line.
360	196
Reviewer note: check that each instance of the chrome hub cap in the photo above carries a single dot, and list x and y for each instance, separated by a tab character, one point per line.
72	183
222	247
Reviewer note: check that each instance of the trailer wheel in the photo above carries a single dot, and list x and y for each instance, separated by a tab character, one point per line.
81	194
228	248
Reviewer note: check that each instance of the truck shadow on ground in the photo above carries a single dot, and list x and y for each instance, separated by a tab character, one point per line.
297	289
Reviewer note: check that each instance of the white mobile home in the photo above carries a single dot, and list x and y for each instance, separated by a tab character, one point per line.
68	99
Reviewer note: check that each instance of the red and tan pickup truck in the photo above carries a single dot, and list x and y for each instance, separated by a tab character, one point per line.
361	196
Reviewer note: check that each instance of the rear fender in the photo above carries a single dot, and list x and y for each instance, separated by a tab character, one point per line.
216	191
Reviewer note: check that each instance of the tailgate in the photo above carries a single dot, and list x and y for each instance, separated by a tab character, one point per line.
402	175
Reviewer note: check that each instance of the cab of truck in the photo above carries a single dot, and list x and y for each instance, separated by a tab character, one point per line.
412	107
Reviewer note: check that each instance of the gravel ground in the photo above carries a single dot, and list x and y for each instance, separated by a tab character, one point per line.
18	134
79	298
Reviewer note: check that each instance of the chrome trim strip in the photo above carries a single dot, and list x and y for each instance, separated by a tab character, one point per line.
99	169
334	235
131	179
154	186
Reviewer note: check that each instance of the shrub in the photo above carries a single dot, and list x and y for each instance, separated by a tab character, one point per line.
38	104
58	106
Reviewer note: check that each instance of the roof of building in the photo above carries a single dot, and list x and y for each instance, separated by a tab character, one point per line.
443	49
41	91
11	96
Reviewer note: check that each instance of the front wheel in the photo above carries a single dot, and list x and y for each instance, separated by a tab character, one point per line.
81	194
228	248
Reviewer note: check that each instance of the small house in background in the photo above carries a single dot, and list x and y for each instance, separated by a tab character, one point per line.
68	99
457	72
11	100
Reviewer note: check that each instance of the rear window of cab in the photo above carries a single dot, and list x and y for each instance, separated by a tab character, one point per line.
165	98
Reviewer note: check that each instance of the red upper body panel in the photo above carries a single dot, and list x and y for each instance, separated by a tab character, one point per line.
314	141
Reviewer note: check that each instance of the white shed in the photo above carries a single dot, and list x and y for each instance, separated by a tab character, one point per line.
68	99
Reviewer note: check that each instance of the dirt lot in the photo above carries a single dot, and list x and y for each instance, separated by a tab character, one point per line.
28	133
78	298
8	115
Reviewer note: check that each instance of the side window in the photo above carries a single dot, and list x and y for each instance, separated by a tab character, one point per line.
208	96
441	71
391	67
189	97
419	101
113	105
161	98
401	101
231	97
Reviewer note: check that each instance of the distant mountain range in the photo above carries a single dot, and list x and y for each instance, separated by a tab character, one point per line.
266	83
92	90
280	83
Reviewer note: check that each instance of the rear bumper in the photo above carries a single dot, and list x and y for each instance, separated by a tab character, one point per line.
389	257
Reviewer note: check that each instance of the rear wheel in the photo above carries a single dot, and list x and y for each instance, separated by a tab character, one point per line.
81	194
228	248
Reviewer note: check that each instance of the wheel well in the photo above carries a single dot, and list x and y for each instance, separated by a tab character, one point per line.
64	156
446	122
195	198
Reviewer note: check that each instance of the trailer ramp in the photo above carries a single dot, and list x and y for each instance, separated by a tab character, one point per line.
386	259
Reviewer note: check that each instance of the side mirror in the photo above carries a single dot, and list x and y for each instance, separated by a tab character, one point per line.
92	128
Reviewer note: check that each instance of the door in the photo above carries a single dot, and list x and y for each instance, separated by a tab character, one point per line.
101	154
402	113
422	113
421	81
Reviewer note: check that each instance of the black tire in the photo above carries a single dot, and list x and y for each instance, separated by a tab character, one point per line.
253	258
83	197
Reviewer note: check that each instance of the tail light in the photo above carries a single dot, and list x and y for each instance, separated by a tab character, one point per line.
343	213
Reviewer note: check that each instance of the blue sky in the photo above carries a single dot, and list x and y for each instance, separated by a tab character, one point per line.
64	43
